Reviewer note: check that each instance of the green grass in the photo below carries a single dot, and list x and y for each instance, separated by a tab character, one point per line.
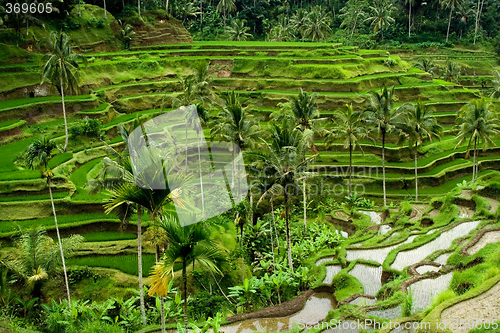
59	159
23	102
55	195
108	236
10	124
19	175
10	152
48	222
79	178
125	263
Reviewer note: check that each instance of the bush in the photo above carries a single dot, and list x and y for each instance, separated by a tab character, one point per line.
92	127
96	23
75	131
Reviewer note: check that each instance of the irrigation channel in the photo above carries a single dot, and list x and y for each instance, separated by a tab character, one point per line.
318	305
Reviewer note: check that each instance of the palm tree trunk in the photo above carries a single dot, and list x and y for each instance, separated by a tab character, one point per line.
304	199
186	142
409	20
64	115
287	222
166	7
350	169
162	300
449	24
60	244
201	176
105	9
383	168
27	27
184	280
232	172
416	173
477	20
80	9
139	264
474	162
476	158
139	7
272	225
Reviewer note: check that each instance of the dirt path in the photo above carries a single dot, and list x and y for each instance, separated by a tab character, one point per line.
494	204
419	209
489	237
485	307
465	211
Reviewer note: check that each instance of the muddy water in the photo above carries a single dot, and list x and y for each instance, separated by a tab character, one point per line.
331	271
377	255
424	290
442	259
406	258
369	276
391	313
315	310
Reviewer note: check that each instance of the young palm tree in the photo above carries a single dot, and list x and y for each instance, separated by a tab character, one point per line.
37	155
452	72
189	245
226	6
352	13
382	116
418	124
238	31
350	128
298	23
478	121
284	164
38	256
496	85
381	17
427	65
61	69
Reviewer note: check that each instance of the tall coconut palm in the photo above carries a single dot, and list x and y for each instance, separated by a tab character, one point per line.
452	4
451	72
381	16
317	24
496	85
189	245
477	121
350	127
418	124
234	124
427	65
410	4
382	116
238	31
38	155
284	164
352	13
226	7
60	67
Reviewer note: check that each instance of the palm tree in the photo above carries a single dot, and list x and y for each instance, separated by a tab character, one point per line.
478	121
298	22
238	31
282	31
351	13
450	4
317	24
452	71
350	127
226	6
284	164
304	110
38	256
382	116
381	17
496	85
189	245
410	3
418	124
37	155
234	124
61	69
427	65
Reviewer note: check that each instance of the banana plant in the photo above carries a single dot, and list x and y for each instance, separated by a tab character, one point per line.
245	292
